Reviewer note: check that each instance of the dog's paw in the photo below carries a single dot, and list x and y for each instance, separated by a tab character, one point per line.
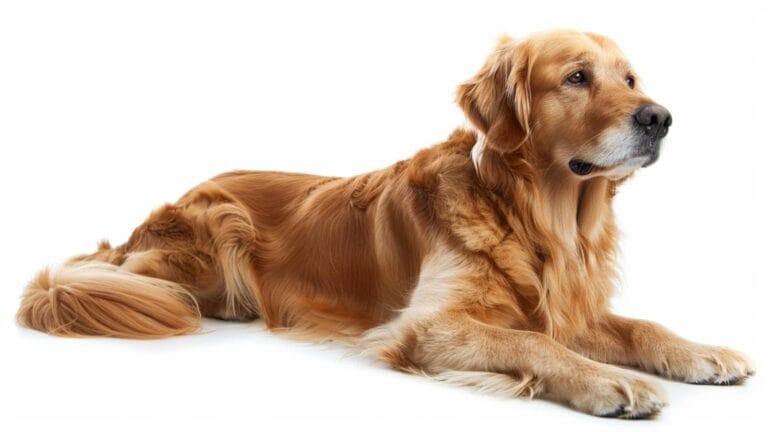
613	392
703	364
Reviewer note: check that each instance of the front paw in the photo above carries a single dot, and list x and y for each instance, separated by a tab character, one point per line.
613	392
702	364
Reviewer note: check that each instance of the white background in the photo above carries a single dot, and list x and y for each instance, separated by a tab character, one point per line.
112	108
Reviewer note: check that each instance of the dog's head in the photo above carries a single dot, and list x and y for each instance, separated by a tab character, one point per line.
573	98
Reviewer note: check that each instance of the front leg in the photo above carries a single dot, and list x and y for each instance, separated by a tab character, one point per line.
455	343
649	346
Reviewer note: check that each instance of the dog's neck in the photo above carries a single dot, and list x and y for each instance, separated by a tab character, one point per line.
560	205
566	226
577	210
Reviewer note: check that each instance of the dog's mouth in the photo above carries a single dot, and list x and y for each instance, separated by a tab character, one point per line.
581	167
619	153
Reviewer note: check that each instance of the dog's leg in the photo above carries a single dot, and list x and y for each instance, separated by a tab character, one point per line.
459	343
653	348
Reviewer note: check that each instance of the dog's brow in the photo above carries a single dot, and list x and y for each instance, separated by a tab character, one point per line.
623	64
581	62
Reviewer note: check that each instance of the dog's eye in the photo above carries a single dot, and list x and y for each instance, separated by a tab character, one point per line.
577	78
631	81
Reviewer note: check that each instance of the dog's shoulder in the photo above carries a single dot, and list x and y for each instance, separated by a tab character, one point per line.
444	162
447	185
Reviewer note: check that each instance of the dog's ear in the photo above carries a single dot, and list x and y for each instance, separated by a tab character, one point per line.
497	99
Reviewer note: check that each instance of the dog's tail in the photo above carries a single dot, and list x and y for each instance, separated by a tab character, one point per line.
93	298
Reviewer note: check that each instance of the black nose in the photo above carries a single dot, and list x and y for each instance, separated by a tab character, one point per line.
654	120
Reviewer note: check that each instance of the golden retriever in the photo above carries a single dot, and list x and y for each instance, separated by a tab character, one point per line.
486	260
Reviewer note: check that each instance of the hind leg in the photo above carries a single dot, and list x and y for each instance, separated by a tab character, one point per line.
166	247
189	259
205	242
194	271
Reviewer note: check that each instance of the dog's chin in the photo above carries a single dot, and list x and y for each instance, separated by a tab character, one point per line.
587	169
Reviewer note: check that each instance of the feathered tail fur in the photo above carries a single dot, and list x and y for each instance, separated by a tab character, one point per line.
91	298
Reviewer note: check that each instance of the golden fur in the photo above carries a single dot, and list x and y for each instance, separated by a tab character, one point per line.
494	273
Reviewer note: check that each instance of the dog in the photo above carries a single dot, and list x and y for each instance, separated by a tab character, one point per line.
487	260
